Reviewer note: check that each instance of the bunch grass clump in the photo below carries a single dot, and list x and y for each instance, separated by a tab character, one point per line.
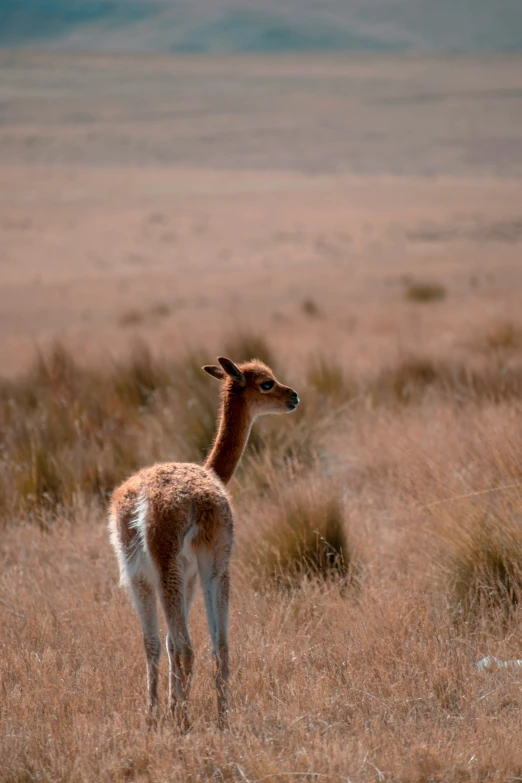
303	533
424	291
310	308
483	558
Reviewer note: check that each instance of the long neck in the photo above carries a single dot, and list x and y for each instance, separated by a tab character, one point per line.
231	439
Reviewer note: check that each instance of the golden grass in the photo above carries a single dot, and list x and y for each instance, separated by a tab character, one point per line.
323	683
377	683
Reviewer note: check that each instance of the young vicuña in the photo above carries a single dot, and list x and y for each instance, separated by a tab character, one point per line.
172	521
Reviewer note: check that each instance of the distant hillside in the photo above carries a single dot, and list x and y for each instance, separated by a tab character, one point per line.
263	26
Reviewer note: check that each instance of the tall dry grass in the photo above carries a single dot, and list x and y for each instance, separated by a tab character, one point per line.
391	516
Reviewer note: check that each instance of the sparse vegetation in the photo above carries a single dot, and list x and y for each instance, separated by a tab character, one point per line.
424	291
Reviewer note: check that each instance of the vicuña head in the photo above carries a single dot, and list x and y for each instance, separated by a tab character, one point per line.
171	521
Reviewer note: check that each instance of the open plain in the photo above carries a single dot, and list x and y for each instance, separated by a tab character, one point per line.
358	222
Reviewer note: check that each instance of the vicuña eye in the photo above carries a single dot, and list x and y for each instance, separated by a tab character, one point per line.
267	385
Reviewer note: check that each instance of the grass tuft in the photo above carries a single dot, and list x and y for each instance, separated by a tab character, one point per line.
131	317
311	308
305	536
424	291
488	568
483	556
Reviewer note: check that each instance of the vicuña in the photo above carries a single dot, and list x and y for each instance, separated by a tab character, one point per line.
171	521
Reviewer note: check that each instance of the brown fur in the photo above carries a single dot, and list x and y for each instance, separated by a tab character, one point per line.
169	516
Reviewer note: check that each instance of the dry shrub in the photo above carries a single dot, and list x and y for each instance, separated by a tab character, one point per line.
424	291
303	533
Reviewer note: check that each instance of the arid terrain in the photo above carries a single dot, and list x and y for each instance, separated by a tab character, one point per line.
357	221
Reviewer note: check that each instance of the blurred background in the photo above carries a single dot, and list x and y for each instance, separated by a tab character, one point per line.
174	171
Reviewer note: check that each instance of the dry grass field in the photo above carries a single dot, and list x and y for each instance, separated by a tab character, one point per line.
358	224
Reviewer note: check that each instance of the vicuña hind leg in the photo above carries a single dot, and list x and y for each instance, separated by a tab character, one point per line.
179	648
216	589
144	598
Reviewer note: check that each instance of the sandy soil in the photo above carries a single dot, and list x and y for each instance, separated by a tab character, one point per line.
170	198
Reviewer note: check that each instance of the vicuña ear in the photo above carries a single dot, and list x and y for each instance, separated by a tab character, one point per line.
232	370
215	371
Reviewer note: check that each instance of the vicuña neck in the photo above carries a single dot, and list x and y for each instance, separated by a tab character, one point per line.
231	439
